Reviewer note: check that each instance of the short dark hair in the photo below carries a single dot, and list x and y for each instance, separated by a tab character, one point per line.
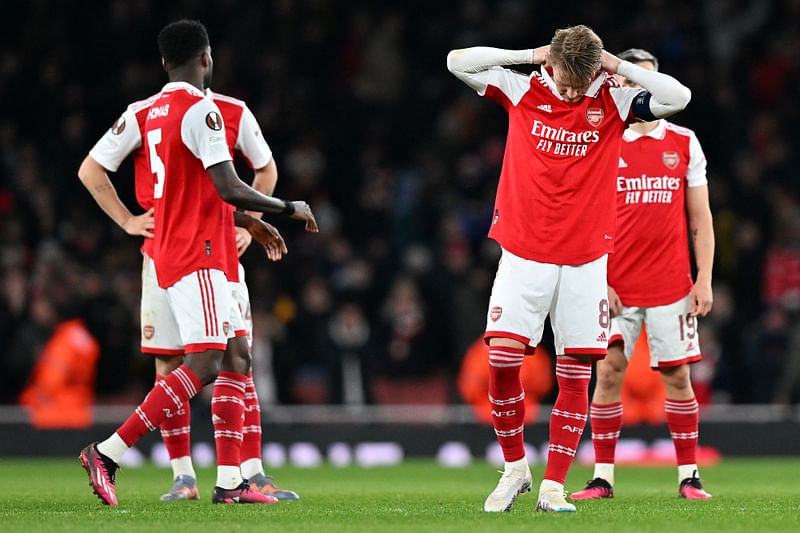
181	41
638	55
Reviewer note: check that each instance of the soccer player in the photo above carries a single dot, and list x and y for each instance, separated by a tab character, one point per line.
661	180
194	256
159	336
554	219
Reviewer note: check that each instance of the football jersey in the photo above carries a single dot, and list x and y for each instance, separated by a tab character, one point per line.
650	264
124	139
555	197
184	135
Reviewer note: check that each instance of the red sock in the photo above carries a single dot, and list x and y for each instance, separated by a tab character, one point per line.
227	415
251	445
683	418
568	417
168	396
176	429
508	400
606	424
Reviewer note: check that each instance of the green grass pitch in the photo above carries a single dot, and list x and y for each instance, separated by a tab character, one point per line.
749	495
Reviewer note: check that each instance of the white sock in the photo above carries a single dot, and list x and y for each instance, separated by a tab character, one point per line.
113	447
229	477
519	463
252	467
685	471
604	471
548	485
182	466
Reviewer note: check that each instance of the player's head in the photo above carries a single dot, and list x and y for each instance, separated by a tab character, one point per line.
638	57
184	44
575	57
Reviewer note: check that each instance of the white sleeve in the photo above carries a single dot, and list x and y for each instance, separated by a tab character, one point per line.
250	141
696	171
663	95
624	97
122	138
480	66
203	133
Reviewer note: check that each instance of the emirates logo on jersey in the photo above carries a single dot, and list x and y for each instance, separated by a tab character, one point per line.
595	116
118	126
148	332
214	121
670	159
496	313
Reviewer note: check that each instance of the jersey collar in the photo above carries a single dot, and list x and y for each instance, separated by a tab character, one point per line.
186	86
591	92
656	133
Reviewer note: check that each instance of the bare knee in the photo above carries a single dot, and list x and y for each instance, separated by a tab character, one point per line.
205	365
165	364
611	370
237	356
677	381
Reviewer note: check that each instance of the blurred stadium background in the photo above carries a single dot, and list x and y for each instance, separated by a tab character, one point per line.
361	332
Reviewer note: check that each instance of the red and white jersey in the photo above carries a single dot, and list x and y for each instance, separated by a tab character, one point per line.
124	139
184	135
650	264
555	198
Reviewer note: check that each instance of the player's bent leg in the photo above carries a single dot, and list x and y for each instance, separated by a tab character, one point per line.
606	417
508	414
683	416
175	432
101	460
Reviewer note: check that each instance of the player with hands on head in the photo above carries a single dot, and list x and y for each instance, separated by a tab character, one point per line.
554	219
661	182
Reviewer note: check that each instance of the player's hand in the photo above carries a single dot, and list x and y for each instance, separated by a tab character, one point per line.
243	240
140	225
609	62
701	298
614	303
541	55
269	237
302	211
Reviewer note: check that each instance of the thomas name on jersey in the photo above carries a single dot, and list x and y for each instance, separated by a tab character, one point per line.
648	189
560	141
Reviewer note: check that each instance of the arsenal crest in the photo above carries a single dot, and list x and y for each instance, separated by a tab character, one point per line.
670	159
148	332
118	126
594	116
495	313
226	326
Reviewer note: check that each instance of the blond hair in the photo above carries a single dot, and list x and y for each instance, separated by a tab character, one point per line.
576	51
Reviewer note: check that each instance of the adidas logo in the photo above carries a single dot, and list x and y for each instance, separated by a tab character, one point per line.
622	163
217	419
602	337
689	347
545	107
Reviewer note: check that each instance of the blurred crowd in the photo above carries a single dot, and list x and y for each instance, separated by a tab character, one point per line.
400	162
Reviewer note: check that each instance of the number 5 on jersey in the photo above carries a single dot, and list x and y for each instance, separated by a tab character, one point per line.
156	164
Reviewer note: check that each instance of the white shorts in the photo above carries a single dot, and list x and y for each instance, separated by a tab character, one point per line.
161	333
241	298
575	297
671	333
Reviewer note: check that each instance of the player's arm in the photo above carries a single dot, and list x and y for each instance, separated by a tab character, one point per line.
95	178
203	133
266	234
237	193
701	228
663	95
475	66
